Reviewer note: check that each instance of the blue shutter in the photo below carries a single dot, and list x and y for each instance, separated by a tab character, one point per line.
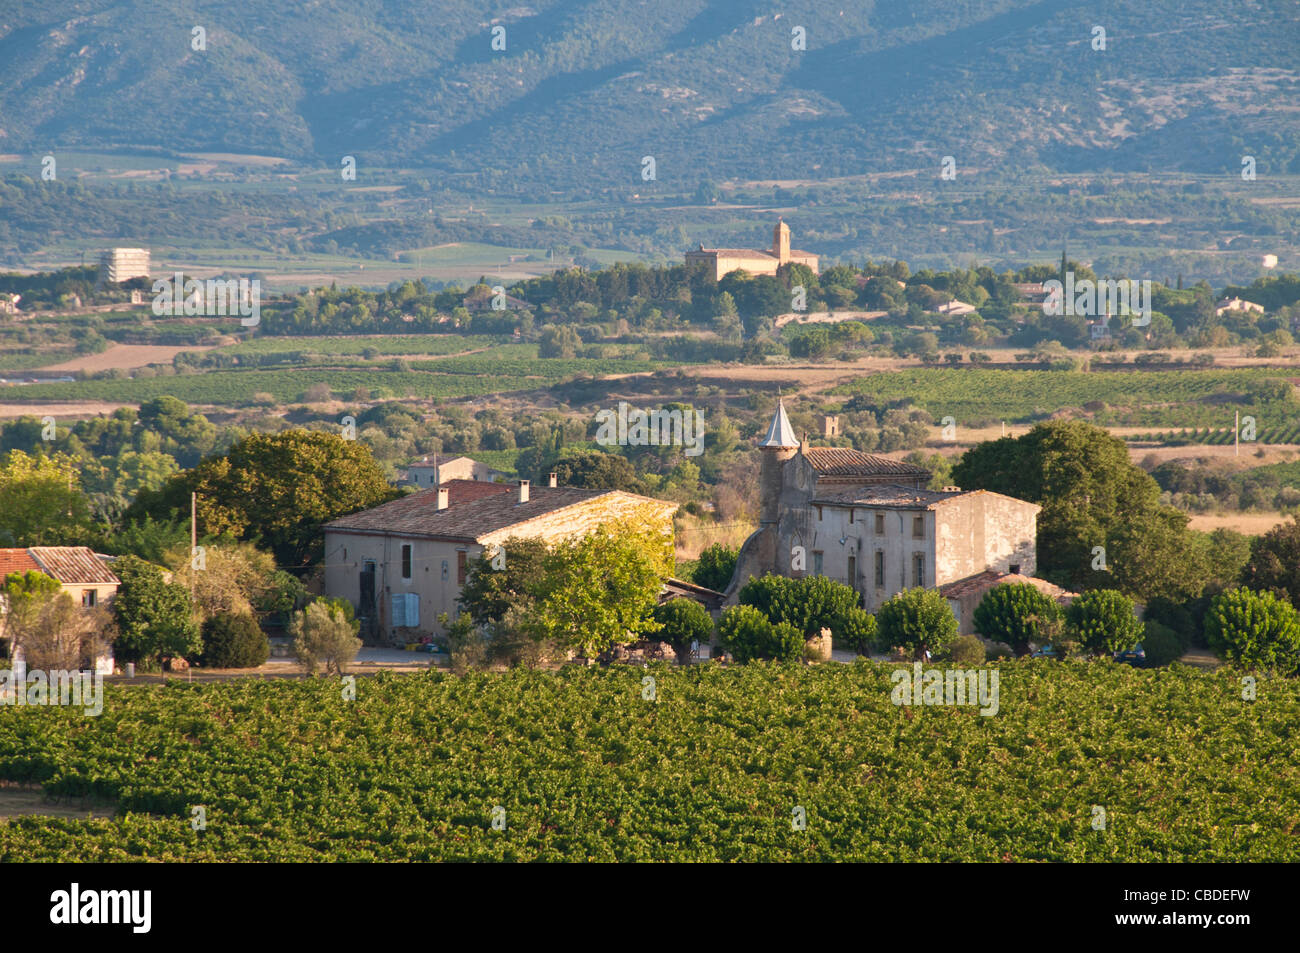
399	609
412	609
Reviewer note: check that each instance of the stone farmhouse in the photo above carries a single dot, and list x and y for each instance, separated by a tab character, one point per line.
430	471
721	261
403	563
869	522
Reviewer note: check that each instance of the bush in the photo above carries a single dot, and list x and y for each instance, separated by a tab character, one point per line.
464	642
1255	629
234	640
916	620
1017	613
1161	644
967	650
684	621
811	604
715	567
325	632
858	631
748	635
1103	622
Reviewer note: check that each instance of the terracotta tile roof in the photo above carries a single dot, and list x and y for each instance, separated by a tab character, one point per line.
474	510
734	252
16	560
73	565
982	582
845	461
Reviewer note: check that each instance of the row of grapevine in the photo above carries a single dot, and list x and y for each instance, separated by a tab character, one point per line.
584	765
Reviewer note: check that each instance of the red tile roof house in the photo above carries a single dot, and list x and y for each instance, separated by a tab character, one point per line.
84	575
402	564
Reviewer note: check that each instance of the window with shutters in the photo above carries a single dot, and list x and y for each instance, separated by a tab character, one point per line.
461	564
406	560
880	524
406	610
918	569
817	562
880	569
918	527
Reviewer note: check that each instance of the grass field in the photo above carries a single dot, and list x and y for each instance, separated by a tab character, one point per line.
582	767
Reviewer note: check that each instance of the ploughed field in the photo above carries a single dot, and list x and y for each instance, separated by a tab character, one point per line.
582	765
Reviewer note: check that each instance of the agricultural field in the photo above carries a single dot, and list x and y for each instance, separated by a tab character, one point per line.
585	768
1166	399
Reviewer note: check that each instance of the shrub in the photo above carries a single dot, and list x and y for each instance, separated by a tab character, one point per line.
464	642
1161	644
916	620
1017	613
234	640
1103	621
811	604
715	567
967	650
748	635
1254	629
325	632
858	631
684	621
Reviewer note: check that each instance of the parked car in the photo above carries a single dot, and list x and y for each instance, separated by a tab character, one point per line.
1045	651
1135	656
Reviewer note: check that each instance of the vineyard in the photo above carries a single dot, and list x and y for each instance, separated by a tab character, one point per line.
1167	399
1220	436
583	767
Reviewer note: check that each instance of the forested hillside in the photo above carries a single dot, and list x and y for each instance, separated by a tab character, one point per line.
708	89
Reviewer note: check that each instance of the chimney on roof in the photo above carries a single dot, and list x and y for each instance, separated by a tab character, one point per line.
523	491
803	444
444	497
552	479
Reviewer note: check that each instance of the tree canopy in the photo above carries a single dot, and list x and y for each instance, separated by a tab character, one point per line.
277	489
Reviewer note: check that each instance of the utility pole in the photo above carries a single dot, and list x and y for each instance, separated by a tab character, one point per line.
194	536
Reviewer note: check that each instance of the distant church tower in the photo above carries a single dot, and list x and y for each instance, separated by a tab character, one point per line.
781	249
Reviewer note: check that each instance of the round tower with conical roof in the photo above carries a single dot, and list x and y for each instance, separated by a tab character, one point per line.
777	447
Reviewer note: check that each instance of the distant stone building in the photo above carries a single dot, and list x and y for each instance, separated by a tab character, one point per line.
722	261
430	471
9	303
1237	304
122	264
869	522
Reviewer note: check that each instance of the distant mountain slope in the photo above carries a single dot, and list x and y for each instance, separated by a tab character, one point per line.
585	88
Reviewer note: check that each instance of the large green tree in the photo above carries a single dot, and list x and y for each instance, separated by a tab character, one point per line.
599	590
156	619
1274	563
41	503
279	489
1096	505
